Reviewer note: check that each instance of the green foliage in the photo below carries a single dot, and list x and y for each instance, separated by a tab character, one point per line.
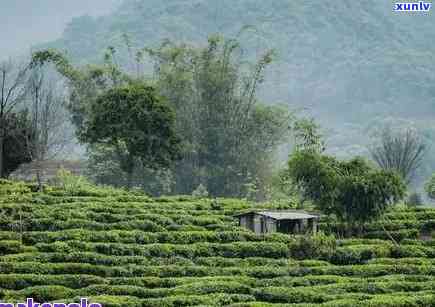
104	167
307	136
122	248
67	184
134	120
430	187
17	143
70	183
229	137
318	246
84	84
306	68
200	192
122	118
351	190
10	187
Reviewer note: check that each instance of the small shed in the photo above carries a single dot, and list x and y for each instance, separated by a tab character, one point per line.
290	222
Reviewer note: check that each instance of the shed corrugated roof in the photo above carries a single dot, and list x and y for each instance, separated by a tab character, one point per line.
284	215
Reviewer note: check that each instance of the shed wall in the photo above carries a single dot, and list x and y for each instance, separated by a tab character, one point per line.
261	224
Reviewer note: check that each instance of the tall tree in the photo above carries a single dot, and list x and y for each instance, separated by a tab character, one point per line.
104	166
17	141
352	190
84	83
229	137
12	92
307	136
137	123
48	117
430	187
402	151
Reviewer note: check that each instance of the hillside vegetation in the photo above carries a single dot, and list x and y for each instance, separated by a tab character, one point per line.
127	249
354	66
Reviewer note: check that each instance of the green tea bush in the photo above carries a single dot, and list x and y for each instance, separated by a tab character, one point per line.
319	246
398	235
10	187
126	249
406	251
356	254
10	247
22	281
43	293
290	295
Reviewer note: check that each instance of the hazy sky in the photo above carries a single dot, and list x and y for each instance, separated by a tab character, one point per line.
26	22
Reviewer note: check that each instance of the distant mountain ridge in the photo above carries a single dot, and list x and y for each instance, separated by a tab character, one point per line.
24	23
325	48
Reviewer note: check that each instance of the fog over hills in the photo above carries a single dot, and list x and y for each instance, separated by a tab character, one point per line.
24	23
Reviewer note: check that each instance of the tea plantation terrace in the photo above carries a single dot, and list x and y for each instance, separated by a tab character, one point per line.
127	249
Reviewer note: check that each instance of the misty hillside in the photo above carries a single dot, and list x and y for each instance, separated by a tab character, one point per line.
349	64
24	23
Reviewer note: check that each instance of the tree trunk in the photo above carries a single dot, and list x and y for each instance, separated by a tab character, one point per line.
2	143
130	171
130	179
38	176
349	229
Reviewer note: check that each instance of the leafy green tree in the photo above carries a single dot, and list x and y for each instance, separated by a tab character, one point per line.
49	119
351	190
307	135
104	168
95	93
17	142
84	83
12	93
137	123
430	187
229	137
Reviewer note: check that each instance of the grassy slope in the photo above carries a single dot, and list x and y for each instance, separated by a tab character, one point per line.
125	249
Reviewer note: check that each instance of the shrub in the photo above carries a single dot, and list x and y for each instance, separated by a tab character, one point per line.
357	254
318	246
430	187
428	226
406	251
131	250
397	235
22	281
293	295
200	192
10	247
10	187
44	293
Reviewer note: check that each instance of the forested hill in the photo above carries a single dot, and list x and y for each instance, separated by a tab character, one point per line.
24	23
352	64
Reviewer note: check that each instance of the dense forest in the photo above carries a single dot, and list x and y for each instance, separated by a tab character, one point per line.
357	73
